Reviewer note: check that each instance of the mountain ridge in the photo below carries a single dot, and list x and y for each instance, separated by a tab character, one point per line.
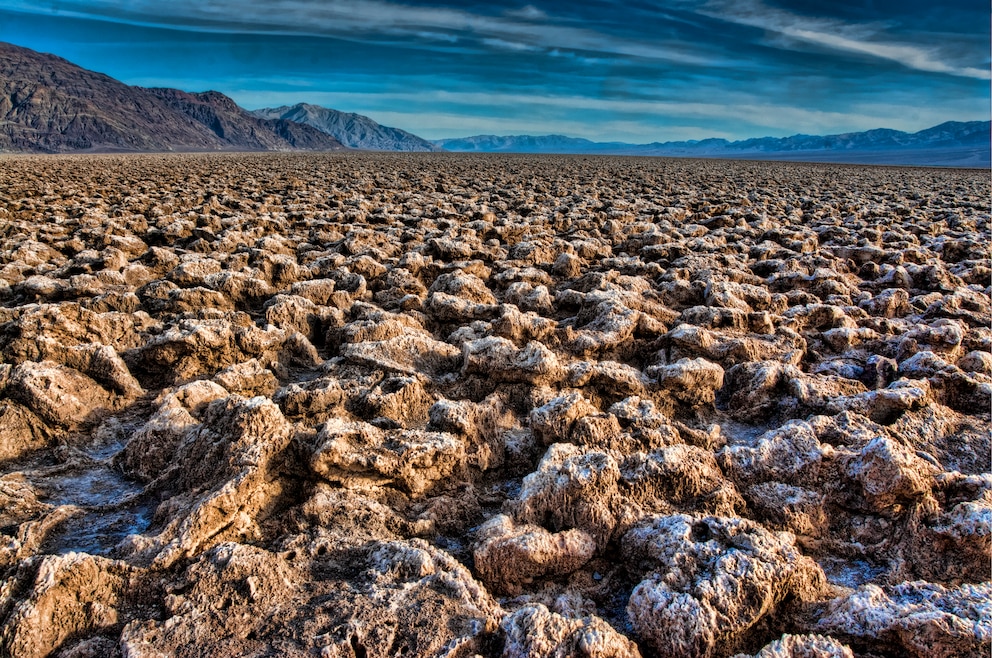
355	131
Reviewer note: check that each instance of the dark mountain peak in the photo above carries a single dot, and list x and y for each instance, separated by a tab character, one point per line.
48	104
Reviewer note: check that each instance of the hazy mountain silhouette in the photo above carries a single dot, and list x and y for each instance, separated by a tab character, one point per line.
952	143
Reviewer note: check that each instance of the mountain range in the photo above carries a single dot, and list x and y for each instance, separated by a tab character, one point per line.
953	143
50	105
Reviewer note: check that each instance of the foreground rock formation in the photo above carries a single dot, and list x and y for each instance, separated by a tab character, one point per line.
434	405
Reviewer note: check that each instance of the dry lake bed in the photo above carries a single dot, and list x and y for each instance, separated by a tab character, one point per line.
374	405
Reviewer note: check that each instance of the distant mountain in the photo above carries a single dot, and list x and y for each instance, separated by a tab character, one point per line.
352	130
526	144
49	105
966	144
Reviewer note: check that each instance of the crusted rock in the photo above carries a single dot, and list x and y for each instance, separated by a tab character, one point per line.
402	399
678	477
890	475
571	488
916	618
202	347
248	379
548	368
536	631
553	422
498	359
21	431
787	454
507	555
58	394
408	353
151	449
359	453
803	646
690	380
397	594
483	426
786	507
710	579
68	595
231	458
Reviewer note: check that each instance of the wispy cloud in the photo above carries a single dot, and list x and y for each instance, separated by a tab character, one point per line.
502	44
527	28
861	38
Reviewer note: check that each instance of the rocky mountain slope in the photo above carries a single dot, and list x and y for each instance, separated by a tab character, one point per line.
50	105
950	143
352	130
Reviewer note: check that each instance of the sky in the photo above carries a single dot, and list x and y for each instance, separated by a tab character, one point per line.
632	71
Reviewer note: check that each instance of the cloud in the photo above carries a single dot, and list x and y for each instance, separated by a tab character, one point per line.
529	12
511	45
864	38
372	20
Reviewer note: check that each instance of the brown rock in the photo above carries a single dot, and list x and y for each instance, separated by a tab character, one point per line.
21	432
238	599
226	471
694	381
409	353
151	450
553	422
788	454
67	596
890	475
678	477
508	555
58	394
500	360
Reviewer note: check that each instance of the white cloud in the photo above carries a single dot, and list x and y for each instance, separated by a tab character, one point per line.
529	12
864	39
510	45
911	56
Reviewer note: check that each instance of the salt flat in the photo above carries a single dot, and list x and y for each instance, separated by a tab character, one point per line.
452	405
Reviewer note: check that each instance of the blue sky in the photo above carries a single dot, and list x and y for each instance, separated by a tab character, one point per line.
632	71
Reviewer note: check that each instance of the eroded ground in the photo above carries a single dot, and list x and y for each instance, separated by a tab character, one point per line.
430	405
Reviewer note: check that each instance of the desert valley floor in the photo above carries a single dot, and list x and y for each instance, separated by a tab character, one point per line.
369	405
